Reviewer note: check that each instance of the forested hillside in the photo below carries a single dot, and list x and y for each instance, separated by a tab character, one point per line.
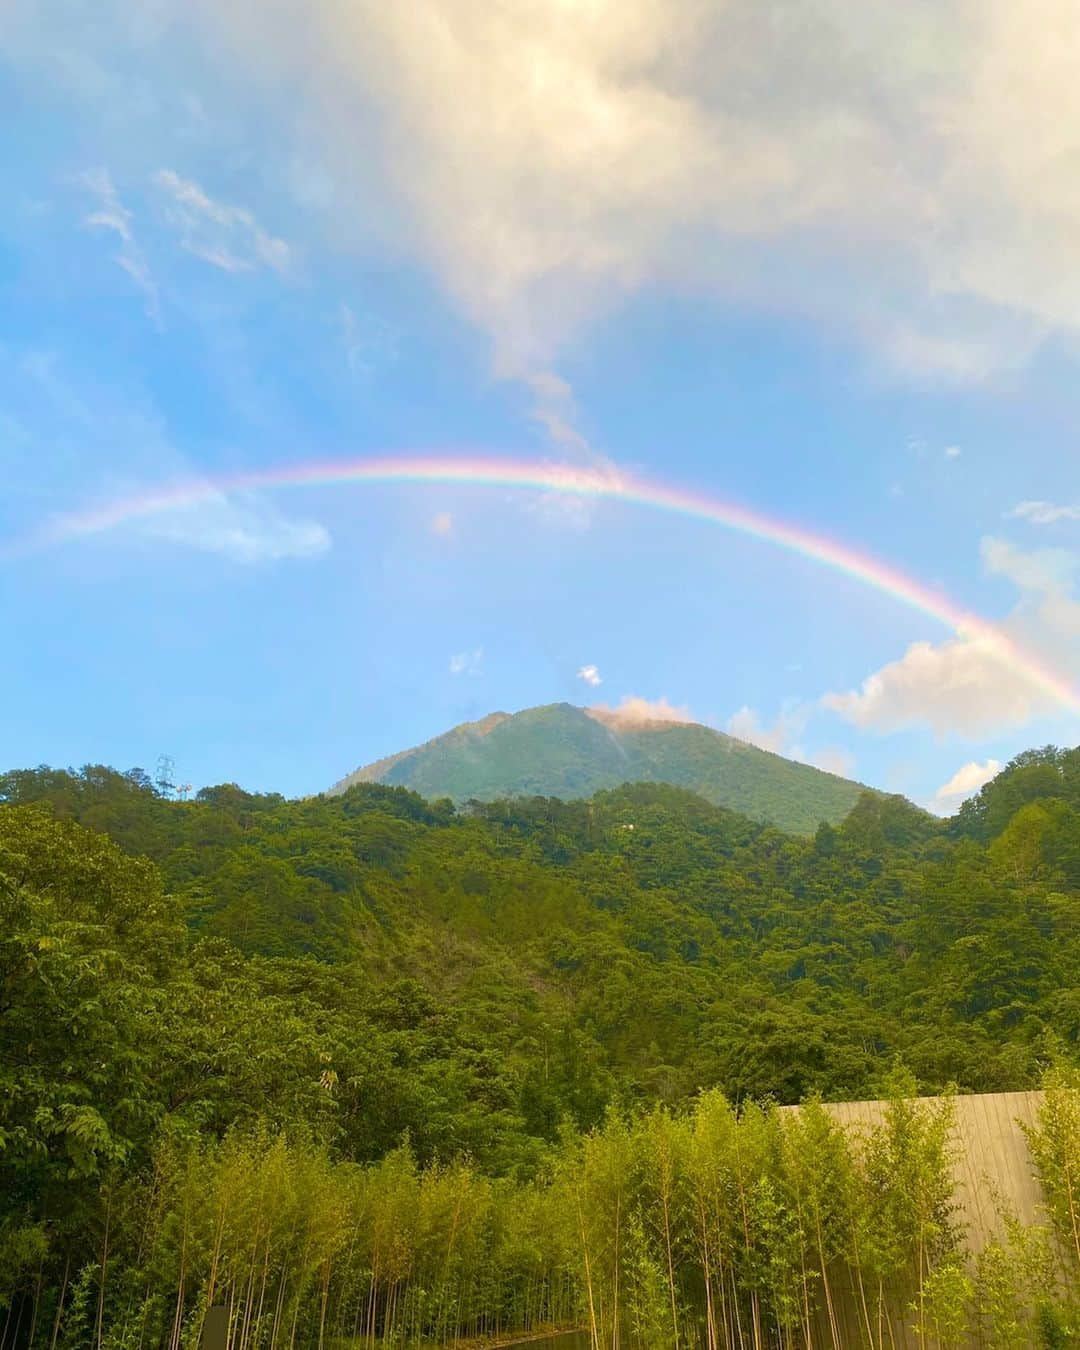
567	752
540	956
488	982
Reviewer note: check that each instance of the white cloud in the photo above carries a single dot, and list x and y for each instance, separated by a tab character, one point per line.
782	737
442	524
228	237
590	675
635	710
111	214
965	686
834	760
467	663
746	725
857	163
1045	513
953	452
959	687
243	528
1042	572
966	780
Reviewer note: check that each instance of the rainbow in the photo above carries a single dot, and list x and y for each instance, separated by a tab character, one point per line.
586	483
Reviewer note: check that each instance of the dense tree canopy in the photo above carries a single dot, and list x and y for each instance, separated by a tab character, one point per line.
372	972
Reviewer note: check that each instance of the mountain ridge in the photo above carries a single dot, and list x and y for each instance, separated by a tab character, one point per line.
561	750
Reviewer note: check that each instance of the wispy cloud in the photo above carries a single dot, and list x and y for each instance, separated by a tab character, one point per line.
922	449
442	524
112	215
746	725
590	675
367	340
227	237
783	737
553	409
1039	573
350	340
833	760
242	528
91	443
467	662
1045	513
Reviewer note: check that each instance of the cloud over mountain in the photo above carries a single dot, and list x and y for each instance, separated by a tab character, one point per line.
633	710
855	163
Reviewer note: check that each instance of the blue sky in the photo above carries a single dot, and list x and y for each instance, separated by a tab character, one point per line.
811	263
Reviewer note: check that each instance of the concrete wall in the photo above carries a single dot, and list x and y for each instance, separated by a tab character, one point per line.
992	1157
993	1169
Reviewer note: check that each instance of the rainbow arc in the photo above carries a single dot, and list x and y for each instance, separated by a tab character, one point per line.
562	480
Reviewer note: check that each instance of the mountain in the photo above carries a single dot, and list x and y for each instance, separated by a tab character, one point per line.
568	752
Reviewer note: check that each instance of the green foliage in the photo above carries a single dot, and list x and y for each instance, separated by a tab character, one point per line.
371	1066
1042	775
643	942
84	934
1055	1147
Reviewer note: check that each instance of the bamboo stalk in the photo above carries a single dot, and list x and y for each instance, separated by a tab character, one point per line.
60	1303
594	1334
104	1266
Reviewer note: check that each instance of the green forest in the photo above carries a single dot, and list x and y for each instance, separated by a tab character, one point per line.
375	1070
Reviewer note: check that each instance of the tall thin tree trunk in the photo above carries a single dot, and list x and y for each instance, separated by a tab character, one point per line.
323	1301
178	1314
665	1203
60	1303
37	1300
710	1317
373	1300
825	1286
594	1333
735	1305
615	1279
104	1266
279	1305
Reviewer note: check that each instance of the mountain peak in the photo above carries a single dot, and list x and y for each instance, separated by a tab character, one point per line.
560	750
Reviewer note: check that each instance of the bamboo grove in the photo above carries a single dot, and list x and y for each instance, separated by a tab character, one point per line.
713	1229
